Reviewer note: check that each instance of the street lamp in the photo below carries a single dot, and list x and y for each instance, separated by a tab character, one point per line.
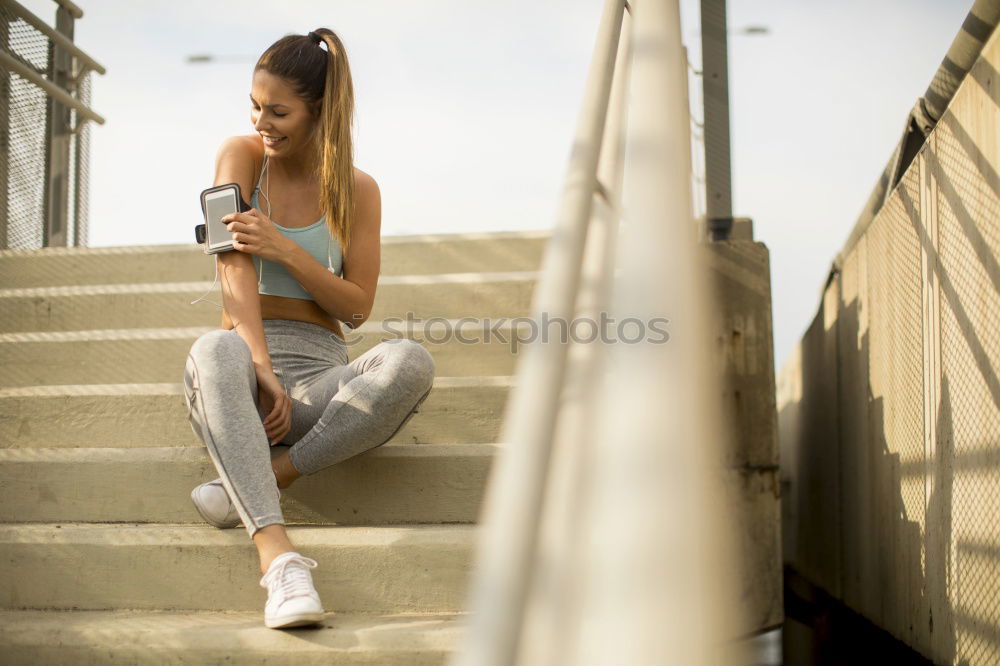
752	30
202	58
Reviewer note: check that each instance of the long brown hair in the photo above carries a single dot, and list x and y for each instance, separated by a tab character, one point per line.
323	78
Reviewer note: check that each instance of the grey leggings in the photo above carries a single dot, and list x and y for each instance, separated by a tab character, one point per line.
339	409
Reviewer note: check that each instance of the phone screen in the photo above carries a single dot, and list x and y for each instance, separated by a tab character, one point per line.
218	204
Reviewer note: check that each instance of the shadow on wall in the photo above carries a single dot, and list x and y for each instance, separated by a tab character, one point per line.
894	491
937	582
862	548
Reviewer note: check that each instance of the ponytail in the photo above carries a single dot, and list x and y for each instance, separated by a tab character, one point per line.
336	146
323	79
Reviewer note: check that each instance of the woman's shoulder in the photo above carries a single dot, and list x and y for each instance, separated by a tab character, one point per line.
363	178
365	186
239	160
250	142
244	145
247	147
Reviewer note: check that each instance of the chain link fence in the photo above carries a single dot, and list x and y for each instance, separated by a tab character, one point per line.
890	405
26	135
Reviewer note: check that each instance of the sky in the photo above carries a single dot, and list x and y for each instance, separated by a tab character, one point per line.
465	111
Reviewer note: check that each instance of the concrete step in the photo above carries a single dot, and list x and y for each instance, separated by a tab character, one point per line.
391	484
183	567
157	355
91	638
458	410
168	304
401	255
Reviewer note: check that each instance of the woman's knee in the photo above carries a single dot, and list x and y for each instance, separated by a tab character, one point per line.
220	346
416	363
219	342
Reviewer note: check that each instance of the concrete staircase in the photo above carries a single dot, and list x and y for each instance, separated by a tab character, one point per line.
104	557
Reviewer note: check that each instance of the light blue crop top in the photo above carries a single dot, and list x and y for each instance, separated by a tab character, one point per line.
273	278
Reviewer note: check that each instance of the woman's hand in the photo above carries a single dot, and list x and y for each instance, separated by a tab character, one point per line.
276	404
255	234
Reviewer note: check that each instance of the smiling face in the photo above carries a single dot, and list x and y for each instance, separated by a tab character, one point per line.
282	118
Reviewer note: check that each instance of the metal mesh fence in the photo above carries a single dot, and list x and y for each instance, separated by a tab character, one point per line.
24	135
968	423
896	444
916	363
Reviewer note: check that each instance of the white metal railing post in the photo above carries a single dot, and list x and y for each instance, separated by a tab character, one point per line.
617	541
58	134
655	562
54	91
514	494
551	614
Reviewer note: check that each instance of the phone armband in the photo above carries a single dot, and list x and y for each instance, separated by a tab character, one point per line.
201	230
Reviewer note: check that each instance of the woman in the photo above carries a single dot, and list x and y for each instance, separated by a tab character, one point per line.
277	371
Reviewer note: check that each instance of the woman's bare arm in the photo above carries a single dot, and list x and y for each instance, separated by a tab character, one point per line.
234	164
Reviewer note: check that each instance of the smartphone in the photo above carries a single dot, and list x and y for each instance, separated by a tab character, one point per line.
215	203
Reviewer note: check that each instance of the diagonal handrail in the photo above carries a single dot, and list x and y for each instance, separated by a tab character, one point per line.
611	545
654	568
551	614
55	36
57	92
11	63
517	482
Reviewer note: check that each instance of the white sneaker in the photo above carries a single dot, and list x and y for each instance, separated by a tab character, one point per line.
292	601
214	505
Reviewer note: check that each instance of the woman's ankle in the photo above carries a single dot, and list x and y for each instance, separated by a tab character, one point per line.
271	541
285	473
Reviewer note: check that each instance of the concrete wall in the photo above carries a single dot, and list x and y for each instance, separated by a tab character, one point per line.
889	407
744	343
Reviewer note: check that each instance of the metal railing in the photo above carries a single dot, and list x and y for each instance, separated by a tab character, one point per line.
600	540
44	129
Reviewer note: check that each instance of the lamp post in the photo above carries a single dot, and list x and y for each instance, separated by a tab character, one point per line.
715	96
